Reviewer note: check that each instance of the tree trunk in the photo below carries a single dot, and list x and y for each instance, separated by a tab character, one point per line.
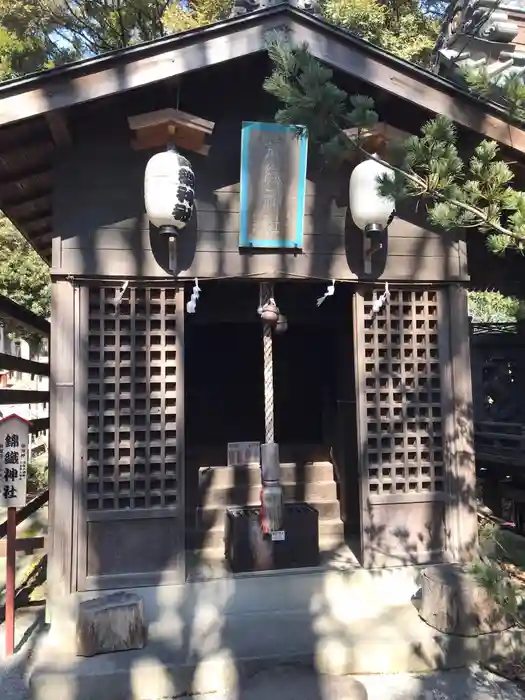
452	601
111	623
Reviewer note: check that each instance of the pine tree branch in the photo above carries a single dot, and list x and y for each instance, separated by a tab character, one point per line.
438	195
478	196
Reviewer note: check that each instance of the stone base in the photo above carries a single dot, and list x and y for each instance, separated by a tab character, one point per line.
212	636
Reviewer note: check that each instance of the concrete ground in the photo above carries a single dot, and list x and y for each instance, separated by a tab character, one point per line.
291	683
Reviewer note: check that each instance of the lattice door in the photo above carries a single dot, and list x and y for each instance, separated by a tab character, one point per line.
399	354
132	489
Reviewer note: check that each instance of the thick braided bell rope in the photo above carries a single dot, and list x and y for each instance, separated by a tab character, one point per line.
266	294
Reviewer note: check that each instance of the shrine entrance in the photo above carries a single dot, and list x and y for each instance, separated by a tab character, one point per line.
224	403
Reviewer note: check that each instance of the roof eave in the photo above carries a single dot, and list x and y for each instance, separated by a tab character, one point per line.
47	82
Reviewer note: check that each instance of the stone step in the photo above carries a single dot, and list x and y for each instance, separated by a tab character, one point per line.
313	492
221	651
211	517
213	538
291	473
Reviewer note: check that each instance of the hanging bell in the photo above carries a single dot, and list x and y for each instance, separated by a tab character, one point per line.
270	313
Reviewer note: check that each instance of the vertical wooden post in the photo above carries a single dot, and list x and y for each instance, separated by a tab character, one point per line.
10	582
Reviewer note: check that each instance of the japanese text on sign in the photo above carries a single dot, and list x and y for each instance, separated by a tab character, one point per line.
13	461
243	453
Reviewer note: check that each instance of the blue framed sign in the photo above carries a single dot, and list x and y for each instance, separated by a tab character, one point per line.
273	185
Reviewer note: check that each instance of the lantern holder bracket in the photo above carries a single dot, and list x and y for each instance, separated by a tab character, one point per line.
373	242
172	254
183	130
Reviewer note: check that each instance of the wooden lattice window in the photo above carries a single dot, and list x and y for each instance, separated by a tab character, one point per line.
402	386
131	386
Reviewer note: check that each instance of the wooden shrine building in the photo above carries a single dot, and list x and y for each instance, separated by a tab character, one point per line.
372	411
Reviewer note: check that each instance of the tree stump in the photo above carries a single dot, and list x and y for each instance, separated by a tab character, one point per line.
452	601
111	623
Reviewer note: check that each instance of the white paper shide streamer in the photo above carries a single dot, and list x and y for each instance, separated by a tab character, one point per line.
191	306
330	291
381	301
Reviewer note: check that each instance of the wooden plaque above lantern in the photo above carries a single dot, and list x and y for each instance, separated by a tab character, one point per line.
273	185
156	129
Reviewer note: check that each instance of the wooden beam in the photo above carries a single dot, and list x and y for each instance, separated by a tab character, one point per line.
42	238
176	56
25	198
37	151
376	139
38	196
27	545
58	126
16	314
19	396
38	425
20	364
343	53
41	224
23	513
246	36
156	129
153	139
30	208
166	116
25	179
41	215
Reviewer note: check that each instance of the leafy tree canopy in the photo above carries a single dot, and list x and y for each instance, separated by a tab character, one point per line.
494	307
28	39
40	33
24	277
95	26
400	26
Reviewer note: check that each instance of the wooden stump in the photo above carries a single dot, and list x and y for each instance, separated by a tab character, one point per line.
111	623
452	601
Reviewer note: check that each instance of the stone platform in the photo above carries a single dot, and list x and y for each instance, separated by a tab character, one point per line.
208	636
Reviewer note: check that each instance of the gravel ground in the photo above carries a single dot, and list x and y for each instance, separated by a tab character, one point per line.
12	683
293	684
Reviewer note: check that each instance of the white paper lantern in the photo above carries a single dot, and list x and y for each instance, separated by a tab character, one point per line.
370	211
169	191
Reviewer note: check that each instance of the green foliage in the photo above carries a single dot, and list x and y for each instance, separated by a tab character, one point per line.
26	43
499	586
38	473
95	26
399	26
456	194
508	90
36	34
24	276
493	307
196	13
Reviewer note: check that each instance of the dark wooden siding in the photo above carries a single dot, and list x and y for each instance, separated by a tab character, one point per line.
417	469
102	229
130	529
